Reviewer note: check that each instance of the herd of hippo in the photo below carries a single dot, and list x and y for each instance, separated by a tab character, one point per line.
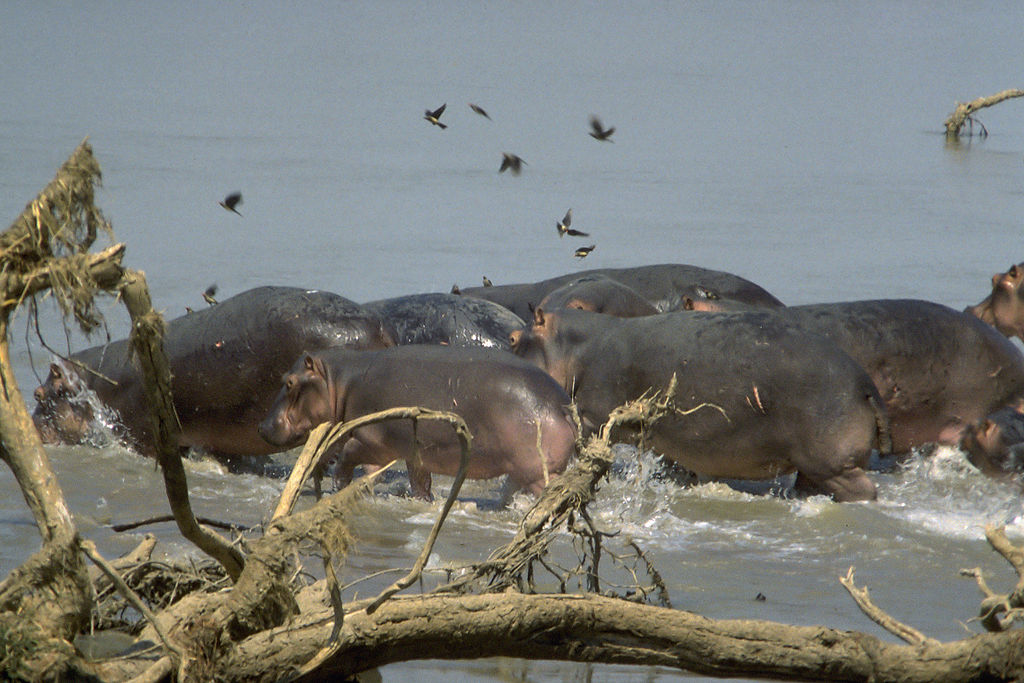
806	390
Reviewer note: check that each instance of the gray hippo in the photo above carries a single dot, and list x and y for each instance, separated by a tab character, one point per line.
446	319
790	401
515	412
938	370
664	286
226	361
1004	307
599	294
995	445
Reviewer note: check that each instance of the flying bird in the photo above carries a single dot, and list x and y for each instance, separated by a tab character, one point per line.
511	162
208	294
487	283
563	227
583	251
479	110
231	201
433	116
598	132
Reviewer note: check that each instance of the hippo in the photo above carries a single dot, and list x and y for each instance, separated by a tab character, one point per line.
938	370
664	286
995	445
782	400
1004	307
226	362
600	294
446	319
517	414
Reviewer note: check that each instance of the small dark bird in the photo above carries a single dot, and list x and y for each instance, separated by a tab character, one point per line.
188	309
511	162
455	290
583	251
231	201
760	597
487	283
599	132
479	110
208	294
433	116
563	227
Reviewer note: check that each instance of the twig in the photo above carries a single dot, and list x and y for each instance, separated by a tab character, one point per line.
228	526
997	612
873	612
465	439
89	548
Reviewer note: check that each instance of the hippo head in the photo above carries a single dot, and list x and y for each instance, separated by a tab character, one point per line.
62	414
1004	307
994	445
599	294
305	401
550	345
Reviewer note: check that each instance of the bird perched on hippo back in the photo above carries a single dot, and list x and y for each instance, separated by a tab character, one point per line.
226	361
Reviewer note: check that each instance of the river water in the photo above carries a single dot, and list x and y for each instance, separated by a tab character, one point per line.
798	144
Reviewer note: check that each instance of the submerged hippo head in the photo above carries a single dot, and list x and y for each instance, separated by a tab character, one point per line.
995	445
1004	307
62	414
305	401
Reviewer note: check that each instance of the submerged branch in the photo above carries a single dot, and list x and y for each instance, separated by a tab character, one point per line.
965	110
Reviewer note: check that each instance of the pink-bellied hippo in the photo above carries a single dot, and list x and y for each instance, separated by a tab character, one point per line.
516	413
664	286
226	362
787	400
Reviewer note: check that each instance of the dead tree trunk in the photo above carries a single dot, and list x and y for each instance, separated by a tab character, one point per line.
964	111
47	600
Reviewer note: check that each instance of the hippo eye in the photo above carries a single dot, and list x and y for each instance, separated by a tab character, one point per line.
289	383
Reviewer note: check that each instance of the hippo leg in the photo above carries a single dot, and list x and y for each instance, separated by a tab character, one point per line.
419	480
541	453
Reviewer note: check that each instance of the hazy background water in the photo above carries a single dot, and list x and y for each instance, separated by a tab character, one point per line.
798	144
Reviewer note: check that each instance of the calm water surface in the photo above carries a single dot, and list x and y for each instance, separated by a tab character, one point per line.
795	143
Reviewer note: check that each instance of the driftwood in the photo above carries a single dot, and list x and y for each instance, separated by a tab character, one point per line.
964	112
269	626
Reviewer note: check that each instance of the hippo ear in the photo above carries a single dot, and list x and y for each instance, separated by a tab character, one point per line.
313	364
538	317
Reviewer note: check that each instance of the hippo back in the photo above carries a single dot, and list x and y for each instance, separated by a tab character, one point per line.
446	319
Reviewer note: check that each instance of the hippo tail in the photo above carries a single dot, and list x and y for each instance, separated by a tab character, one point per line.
883	431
